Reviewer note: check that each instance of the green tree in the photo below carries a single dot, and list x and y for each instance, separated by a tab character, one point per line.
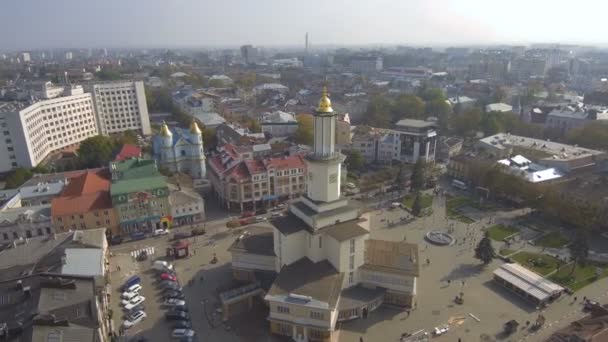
499	95
159	100
467	123
96	151
491	123
17	178
355	160
377	112
407	106
484	250
431	94
592	135
579	250
417	205
418	178
126	137
254	126
441	110
107	74
245	80
304	133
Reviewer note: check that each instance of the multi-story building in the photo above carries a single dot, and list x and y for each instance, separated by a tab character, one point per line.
232	133
249	54
121	106
181	151
329	270
187	207
30	132
410	141
25	222
566	118
241	180
140	196
366	64
279	124
85	203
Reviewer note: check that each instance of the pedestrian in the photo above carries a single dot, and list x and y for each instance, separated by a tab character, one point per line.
360	339
575	298
527	323
585	299
428	261
459	339
449	282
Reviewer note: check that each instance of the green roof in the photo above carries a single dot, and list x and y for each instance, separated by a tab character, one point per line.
135	168
140	184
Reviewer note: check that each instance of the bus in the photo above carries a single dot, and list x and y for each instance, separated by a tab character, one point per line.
459	184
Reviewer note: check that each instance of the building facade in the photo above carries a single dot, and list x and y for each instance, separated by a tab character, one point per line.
245	182
32	132
140	196
187	207
121	106
181	151
25	222
85	203
279	124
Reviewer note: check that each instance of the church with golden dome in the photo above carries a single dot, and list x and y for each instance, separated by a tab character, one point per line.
181	150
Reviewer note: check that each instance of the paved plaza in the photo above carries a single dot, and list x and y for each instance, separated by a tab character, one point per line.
451	270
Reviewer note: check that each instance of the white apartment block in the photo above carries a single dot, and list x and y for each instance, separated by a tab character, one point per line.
31	132
121	106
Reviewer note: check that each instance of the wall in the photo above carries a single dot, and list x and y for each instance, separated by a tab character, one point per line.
292	248
102	218
253	261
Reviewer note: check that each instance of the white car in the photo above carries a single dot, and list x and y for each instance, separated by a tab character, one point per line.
134	288
440	330
177	333
133	319
260	219
133	302
127	296
174	302
160	232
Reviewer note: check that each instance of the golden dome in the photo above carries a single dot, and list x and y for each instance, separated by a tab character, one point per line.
194	128
165	131
324	103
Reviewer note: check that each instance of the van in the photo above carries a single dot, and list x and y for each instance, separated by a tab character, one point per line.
131	281
459	184
138	236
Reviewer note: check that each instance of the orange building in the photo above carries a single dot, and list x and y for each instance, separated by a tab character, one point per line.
85	203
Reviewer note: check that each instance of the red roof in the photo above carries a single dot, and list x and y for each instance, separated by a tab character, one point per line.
128	151
86	192
288	162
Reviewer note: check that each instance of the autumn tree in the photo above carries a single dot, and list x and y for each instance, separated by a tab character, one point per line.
484	250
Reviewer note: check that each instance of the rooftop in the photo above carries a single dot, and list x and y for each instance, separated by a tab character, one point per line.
256	240
392	257
319	281
527	281
41	189
502	141
87	192
209	119
128	151
38	213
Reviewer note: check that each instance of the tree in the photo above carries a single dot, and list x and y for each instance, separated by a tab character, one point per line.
304	133
484	250
159	100
126	137
592	135
377	112
17	178
355	160
579	250
246	80
431	94
499	94
209	138
418	178
254	126
440	109
96	151
407	106
467	123
108	75
417	205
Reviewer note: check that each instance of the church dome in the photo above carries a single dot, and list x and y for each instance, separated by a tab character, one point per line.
165	131
194	128
324	103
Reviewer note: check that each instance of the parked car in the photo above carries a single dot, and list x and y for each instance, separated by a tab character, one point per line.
261	211
167	276
276	215
128	295
170	285
133	319
130	282
160	232
183	308
139	307
260	219
247	214
177	316
589	304
134	302
115	240
174	302
174	295
172	288
178	333
138	236
247	221
182	325
134	288
162	266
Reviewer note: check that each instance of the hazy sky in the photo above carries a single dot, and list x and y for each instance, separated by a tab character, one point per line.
157	23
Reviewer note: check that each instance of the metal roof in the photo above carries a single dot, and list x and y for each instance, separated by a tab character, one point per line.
527	281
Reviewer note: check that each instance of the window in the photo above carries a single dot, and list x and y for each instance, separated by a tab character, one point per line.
28	233
48	230
316	315
39	231
352	246
5	235
351	277
282	309
320	242
15	235
351	262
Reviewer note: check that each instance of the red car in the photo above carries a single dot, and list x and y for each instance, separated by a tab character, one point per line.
248	214
167	276
246	221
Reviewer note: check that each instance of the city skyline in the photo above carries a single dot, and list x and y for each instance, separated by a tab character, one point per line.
189	23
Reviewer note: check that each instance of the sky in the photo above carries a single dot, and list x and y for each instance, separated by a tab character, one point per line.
30	24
